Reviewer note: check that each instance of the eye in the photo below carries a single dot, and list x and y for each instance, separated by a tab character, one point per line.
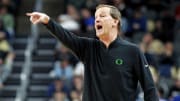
102	16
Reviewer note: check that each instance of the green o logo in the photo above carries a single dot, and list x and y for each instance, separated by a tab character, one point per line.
119	61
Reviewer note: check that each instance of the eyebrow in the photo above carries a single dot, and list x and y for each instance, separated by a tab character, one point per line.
101	13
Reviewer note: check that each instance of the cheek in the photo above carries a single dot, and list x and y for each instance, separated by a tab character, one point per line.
109	22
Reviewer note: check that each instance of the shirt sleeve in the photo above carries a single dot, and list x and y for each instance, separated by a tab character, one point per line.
145	78
78	45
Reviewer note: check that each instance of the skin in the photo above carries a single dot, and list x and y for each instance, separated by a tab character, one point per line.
109	31
107	34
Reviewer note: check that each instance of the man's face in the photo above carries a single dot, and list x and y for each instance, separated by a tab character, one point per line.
103	21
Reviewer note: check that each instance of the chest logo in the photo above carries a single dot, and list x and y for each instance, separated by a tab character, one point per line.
119	61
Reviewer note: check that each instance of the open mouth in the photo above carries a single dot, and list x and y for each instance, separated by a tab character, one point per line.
99	27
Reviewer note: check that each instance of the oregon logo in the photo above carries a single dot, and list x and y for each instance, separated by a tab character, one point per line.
119	61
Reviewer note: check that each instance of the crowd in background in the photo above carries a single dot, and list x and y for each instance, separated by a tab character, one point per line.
154	25
8	14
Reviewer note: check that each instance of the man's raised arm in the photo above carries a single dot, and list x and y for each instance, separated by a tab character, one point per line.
77	44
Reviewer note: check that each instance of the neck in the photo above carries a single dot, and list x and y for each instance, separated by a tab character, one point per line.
108	39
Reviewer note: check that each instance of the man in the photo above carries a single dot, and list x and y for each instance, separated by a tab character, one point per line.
113	66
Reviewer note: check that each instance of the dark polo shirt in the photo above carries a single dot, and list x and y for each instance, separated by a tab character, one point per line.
111	74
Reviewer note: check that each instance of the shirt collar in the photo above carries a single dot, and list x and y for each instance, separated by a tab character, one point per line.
113	44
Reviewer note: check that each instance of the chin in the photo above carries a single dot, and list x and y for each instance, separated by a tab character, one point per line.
99	34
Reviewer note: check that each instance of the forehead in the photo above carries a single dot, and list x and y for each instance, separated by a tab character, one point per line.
102	10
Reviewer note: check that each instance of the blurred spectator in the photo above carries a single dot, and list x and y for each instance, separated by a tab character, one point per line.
2	29
6	58
175	72
125	12
144	46
91	4
158	31
68	23
8	21
167	61
155	5
57	86
176	98
150	25
61	52
168	23
64	70
121	5
76	93
73	12
124	24
70	20
147	39
177	29
177	23
17	4
102	1
157	48
161	95
5	48
59	96
80	4
137	23
88	19
175	89
177	12
79	69
11	6
151	59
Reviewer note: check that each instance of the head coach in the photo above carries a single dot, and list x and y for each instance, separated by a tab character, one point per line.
113	66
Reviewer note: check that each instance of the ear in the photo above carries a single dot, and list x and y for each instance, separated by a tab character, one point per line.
115	22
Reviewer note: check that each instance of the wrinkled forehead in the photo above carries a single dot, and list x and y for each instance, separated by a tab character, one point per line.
102	10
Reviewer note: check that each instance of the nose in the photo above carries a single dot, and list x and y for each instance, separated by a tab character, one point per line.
97	20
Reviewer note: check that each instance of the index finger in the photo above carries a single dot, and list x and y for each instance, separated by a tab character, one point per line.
29	14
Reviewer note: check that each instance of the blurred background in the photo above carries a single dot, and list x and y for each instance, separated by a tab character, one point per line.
34	66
